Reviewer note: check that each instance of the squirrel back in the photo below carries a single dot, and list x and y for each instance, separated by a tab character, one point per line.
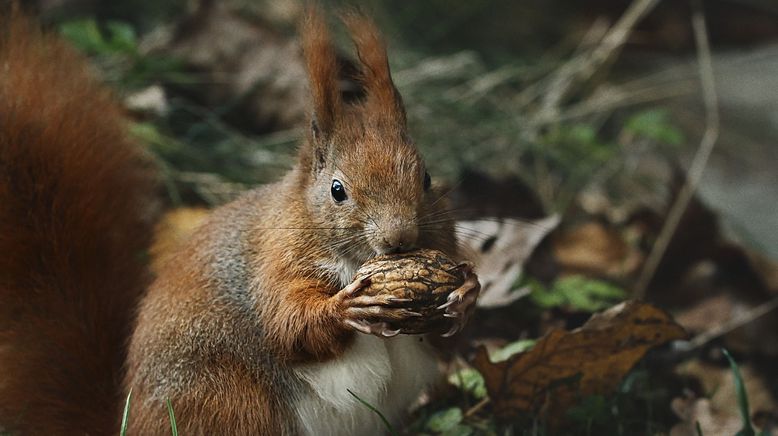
77	212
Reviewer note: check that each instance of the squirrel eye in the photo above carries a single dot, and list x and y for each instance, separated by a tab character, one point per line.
338	191
427	181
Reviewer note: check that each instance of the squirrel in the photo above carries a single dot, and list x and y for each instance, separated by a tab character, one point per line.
255	325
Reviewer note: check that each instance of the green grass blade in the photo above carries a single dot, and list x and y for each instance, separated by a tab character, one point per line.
742	399
173	427
378	412
125	415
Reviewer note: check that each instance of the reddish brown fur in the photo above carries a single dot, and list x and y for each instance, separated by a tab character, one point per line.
229	401
221	393
75	220
306	325
322	68
383	100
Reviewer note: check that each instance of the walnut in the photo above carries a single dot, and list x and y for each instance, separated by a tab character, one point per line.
421	280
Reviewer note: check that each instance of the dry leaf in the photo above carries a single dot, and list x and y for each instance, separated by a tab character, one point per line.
597	250
719	414
699	411
589	360
174	227
499	247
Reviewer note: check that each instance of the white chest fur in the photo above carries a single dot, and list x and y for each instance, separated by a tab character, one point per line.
386	373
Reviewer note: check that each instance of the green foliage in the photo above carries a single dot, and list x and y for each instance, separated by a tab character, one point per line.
654	124
742	399
509	350
375	410
576	292
173	426
87	36
448	422
571	143
574	152
125	415
113	45
469	380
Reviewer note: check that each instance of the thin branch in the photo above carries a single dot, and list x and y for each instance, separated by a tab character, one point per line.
610	100
582	67
700	161
745	318
476	408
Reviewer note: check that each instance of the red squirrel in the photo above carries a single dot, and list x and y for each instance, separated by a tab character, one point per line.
256	324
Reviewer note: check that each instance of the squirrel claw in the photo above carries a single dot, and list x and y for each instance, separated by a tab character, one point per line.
461	302
452	331
446	304
380	329
390	333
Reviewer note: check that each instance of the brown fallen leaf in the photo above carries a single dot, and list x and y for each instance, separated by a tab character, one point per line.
597	250
565	365
175	227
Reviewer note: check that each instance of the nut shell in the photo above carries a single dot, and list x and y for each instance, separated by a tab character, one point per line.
425	277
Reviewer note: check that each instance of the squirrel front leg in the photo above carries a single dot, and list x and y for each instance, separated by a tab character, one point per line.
312	324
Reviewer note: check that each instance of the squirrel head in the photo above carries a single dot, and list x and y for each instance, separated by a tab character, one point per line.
363	176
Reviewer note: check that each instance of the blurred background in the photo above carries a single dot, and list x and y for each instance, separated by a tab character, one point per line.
610	149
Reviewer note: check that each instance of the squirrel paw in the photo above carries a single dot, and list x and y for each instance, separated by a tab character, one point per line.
461	302
371	314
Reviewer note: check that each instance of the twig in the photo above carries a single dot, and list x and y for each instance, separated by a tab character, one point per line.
476	408
587	64
437	68
708	141
535	90
738	321
610	100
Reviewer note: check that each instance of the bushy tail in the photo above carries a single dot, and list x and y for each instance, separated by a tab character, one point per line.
76	211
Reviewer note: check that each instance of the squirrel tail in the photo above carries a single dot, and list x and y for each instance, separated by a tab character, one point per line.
77	207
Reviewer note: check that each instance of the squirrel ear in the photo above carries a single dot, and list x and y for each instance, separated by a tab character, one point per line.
383	100
322	66
319	146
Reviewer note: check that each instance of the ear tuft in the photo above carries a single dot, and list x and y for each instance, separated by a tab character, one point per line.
322	66
383	99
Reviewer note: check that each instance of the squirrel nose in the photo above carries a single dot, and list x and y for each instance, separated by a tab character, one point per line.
397	237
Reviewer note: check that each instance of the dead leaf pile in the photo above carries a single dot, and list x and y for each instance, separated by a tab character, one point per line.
717	412
564	366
